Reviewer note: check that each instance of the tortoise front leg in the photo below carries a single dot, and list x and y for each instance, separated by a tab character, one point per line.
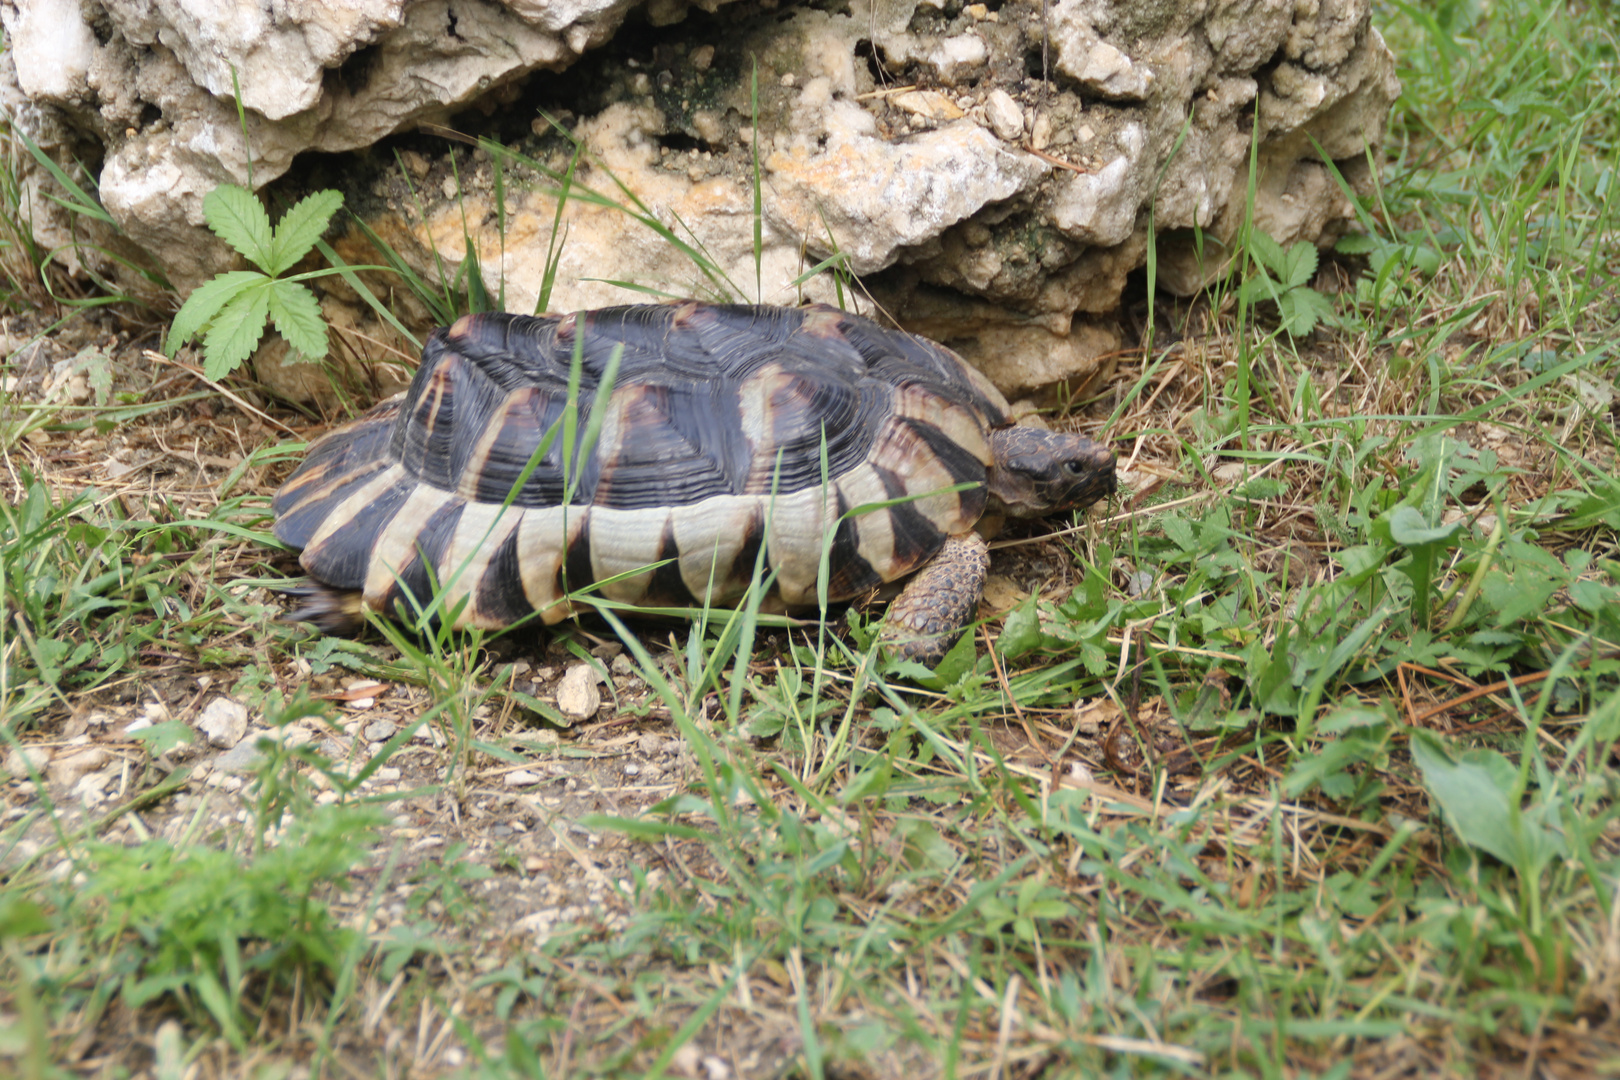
928	616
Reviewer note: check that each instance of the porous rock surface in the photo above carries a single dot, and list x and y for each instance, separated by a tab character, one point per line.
992	209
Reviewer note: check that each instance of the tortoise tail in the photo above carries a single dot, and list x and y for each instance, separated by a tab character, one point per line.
339	612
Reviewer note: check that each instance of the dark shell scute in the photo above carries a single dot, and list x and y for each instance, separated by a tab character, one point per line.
681	376
343	558
667	587
849	573
415	584
748	554
347	458
904	359
577	572
679	443
500	597
811	409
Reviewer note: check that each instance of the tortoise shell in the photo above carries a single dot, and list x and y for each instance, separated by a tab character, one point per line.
728	431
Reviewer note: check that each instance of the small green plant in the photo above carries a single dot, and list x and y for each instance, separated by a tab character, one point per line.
1283	278
448	882
213	928
234	307
199	924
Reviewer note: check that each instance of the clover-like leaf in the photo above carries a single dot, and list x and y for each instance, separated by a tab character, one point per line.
297	316
300	227
1298	265
236	330
1267	251
204	303
1021	632
1301	309
236	217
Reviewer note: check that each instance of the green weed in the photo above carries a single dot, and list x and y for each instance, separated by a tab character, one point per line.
235	306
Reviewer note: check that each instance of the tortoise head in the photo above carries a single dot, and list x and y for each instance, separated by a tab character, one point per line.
1039	472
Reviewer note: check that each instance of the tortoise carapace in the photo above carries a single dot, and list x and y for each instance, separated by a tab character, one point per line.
732	437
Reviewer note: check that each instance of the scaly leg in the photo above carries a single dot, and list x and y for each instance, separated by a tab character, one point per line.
929	615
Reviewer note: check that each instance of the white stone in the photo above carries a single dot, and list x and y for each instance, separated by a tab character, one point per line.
956	58
1085	57
878	197
70	768
1100	208
223	722
577	696
19	760
1005	117
52	47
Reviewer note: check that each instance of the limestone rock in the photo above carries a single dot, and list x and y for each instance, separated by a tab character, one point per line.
159	96
223	722
23	761
70	768
904	140
1096	64
1003	115
577	695
878	197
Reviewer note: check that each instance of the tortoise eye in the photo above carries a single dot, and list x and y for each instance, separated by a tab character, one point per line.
1074	468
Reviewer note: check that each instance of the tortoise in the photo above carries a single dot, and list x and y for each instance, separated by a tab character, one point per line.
732	437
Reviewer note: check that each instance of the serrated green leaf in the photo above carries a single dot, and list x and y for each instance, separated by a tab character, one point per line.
236	217
1357	244
236	330
1021	632
1179	530
1298	264
1267	251
297	315
1259	287
1301	309
1261	487
204	303
300	227
958	661
1326	768
97	367
1593	596
1518	595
